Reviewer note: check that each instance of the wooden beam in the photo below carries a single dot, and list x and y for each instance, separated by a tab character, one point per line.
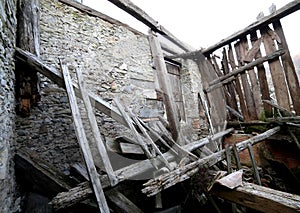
53	74
259	198
163	80
81	192
84	145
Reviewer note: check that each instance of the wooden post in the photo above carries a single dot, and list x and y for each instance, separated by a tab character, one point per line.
27	89
289	68
170	105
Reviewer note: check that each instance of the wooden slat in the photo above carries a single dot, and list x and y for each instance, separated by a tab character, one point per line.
278	78
79	129
94	127
260	198
262	78
240	52
162	75
289	68
53	74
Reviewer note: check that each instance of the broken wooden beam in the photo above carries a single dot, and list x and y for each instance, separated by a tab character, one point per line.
54	75
180	174
83	191
259	198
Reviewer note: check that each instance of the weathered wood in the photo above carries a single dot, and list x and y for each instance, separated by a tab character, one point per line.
280	13
240	52
295	119
254	165
94	127
269	57
282	110
162	75
253	51
260	198
53	74
81	137
81	192
278	78
27	88
289	68
180	174
129	148
262	78
121	202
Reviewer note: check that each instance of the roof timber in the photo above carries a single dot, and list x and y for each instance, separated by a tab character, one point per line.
280	13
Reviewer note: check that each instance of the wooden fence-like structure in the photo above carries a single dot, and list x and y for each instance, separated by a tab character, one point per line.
254	69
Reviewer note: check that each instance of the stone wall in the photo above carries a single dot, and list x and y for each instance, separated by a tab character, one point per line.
116	62
7	103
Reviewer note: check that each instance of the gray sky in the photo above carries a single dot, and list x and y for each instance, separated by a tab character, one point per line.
204	23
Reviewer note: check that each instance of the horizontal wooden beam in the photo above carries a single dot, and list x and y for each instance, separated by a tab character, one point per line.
38	65
280	13
259	198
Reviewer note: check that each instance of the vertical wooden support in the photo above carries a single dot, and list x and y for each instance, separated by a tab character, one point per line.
238	85
93	124
81	136
255	171
258	105
237	157
27	89
170	105
262	78
277	74
240	52
289	68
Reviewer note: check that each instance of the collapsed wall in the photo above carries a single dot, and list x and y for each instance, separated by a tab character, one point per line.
7	103
116	62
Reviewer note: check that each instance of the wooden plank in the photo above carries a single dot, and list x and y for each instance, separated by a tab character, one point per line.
79	129
240	52
289	68
54	75
281	109
94	127
254	165
262	78
280	13
278	78
122	203
129	148
260	198
162	76
82	191
258	105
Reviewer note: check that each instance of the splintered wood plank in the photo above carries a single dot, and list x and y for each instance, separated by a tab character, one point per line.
163	79
94	127
81	137
262	78
129	148
253	78
289	68
240	52
260	198
278	78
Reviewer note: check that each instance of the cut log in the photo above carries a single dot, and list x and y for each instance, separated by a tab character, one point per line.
259	198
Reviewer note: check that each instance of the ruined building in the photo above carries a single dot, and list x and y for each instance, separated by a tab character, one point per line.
98	116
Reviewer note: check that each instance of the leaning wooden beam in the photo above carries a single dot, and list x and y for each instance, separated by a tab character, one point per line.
82	139
180	174
95	130
163	80
280	13
214	84
140	15
53	74
283	110
81	192
259	198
